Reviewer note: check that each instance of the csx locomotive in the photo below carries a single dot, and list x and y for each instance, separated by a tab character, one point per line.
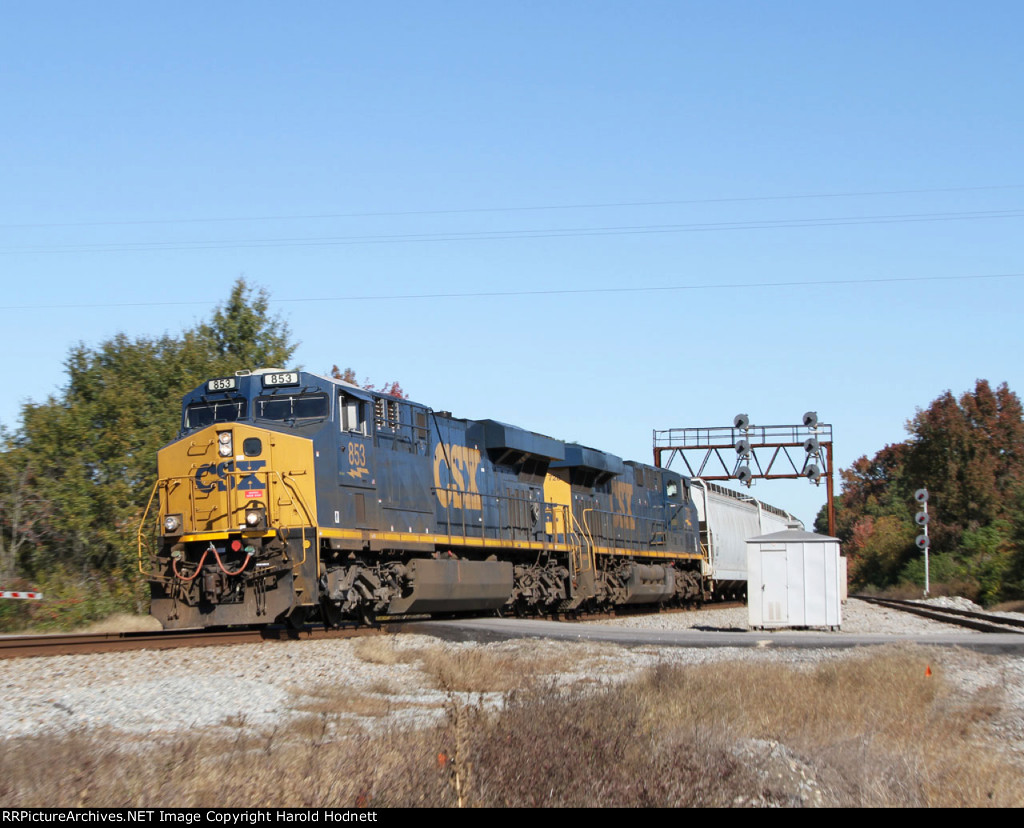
290	496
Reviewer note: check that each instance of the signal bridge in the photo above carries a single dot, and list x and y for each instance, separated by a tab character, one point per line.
752	453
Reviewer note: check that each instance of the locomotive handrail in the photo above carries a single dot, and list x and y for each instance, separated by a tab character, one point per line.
283	479
639	519
588	536
504	527
142	524
309	517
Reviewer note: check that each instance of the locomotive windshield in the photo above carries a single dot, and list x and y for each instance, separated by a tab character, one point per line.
198	415
292	407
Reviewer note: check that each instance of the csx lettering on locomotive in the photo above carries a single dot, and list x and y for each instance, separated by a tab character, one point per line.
225	479
460	465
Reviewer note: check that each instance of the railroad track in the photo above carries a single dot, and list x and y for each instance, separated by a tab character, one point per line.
982	621
629	611
22	646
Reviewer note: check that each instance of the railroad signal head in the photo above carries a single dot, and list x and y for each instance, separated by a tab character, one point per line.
921	518
921	495
811	445
744	475
811	419
921	541
741	421
812	472
743	447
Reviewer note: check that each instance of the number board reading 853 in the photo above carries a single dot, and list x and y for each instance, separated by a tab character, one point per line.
284	378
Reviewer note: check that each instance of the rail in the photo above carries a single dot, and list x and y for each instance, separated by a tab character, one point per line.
27	646
980	621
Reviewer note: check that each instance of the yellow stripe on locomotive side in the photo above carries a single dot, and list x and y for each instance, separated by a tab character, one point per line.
399	538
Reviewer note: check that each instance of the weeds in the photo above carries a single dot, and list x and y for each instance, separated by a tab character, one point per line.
866	730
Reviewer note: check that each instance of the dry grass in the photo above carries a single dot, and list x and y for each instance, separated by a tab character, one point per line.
461	669
878	730
118	622
868	730
380	649
123	622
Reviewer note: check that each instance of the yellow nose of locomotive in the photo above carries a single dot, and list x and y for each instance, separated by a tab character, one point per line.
235	478
235	528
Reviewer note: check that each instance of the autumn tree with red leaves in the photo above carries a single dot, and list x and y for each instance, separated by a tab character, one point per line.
392	389
969	454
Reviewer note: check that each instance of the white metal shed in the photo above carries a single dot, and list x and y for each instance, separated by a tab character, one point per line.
794	580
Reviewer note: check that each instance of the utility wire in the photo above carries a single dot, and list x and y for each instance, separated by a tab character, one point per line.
501	235
529	208
548	292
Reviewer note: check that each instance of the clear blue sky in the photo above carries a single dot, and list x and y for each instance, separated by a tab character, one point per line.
753	172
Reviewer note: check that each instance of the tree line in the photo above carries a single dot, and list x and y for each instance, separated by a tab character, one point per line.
76	473
969	453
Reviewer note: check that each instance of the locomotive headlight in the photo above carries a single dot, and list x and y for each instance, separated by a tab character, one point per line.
172	524
224	440
255	518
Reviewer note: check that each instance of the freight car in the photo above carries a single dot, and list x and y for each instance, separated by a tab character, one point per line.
290	496
727	519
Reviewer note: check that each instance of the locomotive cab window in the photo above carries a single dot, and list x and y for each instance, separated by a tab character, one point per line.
198	415
292	407
352	417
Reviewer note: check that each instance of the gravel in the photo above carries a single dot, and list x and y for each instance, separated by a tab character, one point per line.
153	694
859	618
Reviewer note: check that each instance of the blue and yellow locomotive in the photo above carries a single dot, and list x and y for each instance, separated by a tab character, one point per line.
290	496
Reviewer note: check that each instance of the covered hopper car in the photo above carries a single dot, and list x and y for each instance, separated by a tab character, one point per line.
290	496
727	519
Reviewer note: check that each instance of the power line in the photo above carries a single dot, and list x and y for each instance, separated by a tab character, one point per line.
507	209
504	235
548	292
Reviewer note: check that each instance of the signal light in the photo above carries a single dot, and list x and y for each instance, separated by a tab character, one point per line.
743	447
811	419
921	495
811	445
921	541
921	518
812	473
744	475
741	421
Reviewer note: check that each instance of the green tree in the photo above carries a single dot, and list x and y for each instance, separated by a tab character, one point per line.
76	476
241	334
24	514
